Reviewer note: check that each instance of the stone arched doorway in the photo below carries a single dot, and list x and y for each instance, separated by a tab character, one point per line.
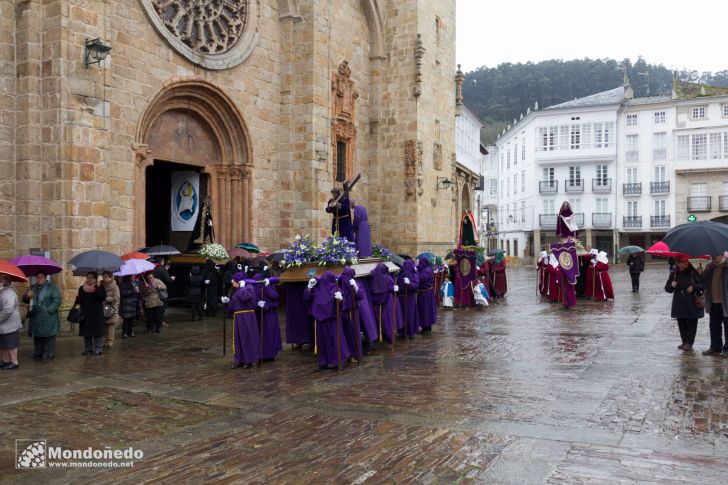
466	204
192	124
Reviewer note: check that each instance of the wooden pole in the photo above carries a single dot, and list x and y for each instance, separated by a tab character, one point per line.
224	329
394	321
357	329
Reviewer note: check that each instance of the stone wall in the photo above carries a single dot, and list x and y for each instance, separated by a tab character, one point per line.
78	132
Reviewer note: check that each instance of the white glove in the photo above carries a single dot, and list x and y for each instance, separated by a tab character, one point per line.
240	266
241	283
353	284
225	299
406	281
267	282
396	288
261	304
265	268
311	283
338	296
246	269
207	282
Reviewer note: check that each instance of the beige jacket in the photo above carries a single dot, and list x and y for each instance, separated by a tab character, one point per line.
151	294
113	298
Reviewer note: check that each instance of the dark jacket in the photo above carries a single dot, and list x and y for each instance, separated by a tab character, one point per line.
195	286
683	303
44	316
161	273
636	263
129	300
92	307
708	282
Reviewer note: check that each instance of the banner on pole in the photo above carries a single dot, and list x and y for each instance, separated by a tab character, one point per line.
185	197
566	255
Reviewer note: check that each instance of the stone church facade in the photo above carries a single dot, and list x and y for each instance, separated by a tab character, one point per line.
270	101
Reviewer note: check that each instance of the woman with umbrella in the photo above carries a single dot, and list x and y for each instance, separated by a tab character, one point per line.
498	275
45	300
154	293
111	308
685	285
636	263
90	298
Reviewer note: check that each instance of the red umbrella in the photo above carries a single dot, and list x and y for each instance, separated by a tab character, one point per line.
265	254
15	273
134	255
243	253
662	249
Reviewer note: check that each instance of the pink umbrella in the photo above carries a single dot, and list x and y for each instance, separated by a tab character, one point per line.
31	265
133	267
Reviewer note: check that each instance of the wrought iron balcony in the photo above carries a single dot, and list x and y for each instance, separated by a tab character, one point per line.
632	155
659	154
601	219
660	187
548	186
574	185
723	203
632	189
547	221
699	204
659	221
633	222
602	185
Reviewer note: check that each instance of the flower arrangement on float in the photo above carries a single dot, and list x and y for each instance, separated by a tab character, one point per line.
214	251
336	250
301	251
381	251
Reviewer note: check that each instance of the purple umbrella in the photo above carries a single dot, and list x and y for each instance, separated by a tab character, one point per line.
32	264
134	267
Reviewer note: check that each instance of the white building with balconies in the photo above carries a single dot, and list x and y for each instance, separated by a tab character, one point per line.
566	152
468	163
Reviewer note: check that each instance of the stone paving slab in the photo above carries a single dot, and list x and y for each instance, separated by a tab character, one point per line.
523	392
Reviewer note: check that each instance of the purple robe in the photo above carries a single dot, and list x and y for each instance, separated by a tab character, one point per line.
341	222
568	291
381	288
463	290
269	325
426	298
246	337
299	322
350	312
361	228
408	297
323	309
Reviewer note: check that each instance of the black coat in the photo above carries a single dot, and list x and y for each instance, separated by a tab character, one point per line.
195	288
129	300
683	303
636	263
92	307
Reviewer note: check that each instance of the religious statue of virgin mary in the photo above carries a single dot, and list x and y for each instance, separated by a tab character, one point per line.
565	226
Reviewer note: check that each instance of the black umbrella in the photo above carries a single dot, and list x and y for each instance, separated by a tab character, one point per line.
96	260
698	238
278	256
397	259
161	250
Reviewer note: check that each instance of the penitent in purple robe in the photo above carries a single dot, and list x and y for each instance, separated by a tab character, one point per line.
269	324
341	222
323	309
299	322
381	288
463	290
408	297
568	291
246	337
350	312
426	298
363	237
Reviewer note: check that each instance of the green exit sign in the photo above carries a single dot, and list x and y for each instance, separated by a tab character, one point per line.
692	218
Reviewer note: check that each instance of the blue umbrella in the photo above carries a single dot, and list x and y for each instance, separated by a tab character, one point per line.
96	261
631	250
430	257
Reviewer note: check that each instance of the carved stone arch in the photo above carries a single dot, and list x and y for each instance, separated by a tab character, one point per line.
466	203
376	32
225	154
288	9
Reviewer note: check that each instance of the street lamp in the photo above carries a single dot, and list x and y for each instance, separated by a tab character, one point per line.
95	51
444	182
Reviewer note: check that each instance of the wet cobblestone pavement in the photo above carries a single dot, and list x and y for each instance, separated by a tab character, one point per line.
522	392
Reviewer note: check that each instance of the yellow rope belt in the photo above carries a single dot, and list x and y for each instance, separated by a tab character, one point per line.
235	315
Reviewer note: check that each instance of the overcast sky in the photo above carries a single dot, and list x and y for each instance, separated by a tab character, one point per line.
694	36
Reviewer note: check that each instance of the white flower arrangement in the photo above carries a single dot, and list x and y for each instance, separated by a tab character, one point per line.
214	251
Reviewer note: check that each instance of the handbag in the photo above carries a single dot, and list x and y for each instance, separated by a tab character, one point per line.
75	315
163	295
699	302
108	311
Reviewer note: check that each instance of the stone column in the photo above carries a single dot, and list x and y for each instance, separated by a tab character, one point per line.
536	243
589	241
